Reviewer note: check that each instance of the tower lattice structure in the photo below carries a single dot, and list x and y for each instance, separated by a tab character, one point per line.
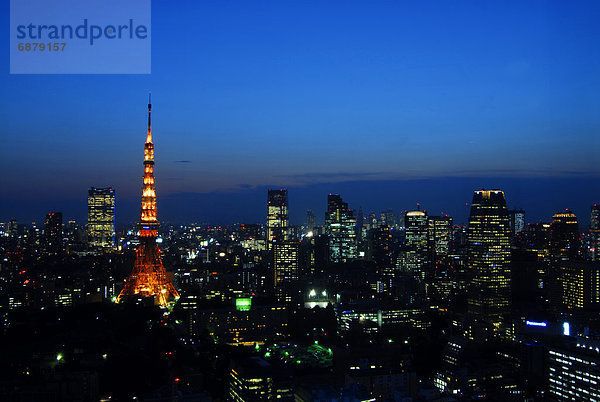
149	278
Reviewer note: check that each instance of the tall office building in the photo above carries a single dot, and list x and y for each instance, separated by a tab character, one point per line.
277	216
340	225
517	221
537	240
488	259
101	217
12	228
564	246
595	217
285	269
579	286
388	218
439	233
360	226
311	221
379	247
370	221
416	242
565	241
53	233
595	233
286	262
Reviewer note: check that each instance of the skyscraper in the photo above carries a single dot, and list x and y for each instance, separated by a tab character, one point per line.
311	221
101	217
360	223
416	242
149	278
579	284
53	233
595	233
340	226
380	246
517	221
286	262
488	259
388	218
564	247
565	241
595	218
439	233
277	216
285	269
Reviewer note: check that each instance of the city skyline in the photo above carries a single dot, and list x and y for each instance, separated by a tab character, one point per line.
358	98
334	200
223	208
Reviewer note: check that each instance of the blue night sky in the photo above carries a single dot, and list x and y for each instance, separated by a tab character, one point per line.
388	103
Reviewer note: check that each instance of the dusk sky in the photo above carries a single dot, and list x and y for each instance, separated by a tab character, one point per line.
388	103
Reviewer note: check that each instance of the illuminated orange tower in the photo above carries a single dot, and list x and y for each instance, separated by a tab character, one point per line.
149	278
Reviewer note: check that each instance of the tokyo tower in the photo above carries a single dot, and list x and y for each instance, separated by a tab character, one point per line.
149	278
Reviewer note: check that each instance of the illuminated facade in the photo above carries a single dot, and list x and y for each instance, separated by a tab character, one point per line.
340	225
595	218
255	379
242	325
439	233
594	251
390	316
517	221
149	278
488	259
574	372
101	217
286	262
416	242
285	269
450	378
277	216
579	284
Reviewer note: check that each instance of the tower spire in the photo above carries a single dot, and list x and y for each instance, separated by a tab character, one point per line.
149	278
149	136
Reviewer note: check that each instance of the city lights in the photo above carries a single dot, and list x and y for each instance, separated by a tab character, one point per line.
359	201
